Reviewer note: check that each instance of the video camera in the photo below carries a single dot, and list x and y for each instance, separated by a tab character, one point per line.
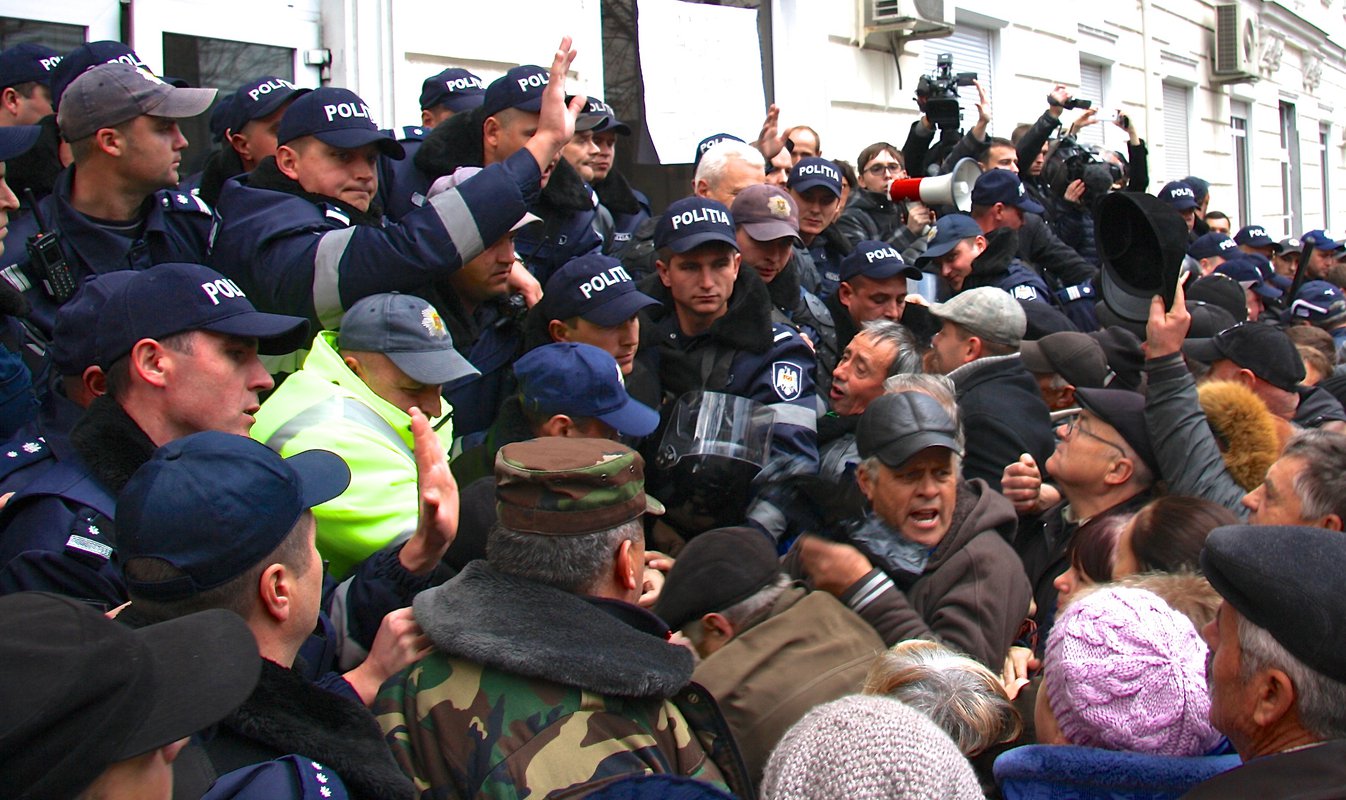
1071	161
937	94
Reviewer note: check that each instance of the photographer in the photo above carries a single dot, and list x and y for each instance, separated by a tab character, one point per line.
937	97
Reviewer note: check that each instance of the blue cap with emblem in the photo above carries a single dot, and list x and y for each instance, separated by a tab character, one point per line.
1321	240
1178	195
1255	236
814	171
260	97
1002	186
877	261
27	62
709	142
195	505
454	88
337	117
947	232
1320	303
410	332
1210	245
173	297
692	222
596	288
580	380
86	57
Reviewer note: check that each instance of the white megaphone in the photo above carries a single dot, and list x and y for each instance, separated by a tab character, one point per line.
952	189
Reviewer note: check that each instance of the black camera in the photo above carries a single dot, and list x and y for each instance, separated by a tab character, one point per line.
937	94
1071	161
1070	102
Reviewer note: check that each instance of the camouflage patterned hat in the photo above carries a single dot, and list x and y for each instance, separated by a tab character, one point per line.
570	487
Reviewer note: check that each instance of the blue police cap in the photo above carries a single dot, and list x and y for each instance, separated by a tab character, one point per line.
1255	236
580	380
259	97
1212	244
814	171
1002	186
606	118
454	88
948	231
595	287
337	117
1178	195
692	222
877	260
1320	240
1319	302
520	88
17	140
1244	270
221	117
173	297
27	62
85	57
709	142
214	505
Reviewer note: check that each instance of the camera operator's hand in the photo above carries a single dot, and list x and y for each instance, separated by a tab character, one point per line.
918	216
1074	191
1083	121
1056	100
983	112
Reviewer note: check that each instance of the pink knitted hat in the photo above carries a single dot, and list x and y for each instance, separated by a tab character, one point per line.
1124	671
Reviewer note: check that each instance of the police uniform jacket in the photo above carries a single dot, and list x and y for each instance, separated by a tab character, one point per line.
297	253
402	186
175	227
998	266
627	206
763	360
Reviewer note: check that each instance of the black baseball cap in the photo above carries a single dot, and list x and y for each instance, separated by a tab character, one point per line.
82	692
595	287
27	62
337	117
16	140
175	297
1223	292
714	571
1003	186
709	142
1125	411
454	88
1255	236
692	222
1076	357
259	97
1262	349
896	427
214	505
876	260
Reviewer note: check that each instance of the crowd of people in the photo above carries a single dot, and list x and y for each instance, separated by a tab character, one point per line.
437	463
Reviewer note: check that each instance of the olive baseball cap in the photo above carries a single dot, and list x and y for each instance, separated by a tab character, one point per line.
569	487
110	94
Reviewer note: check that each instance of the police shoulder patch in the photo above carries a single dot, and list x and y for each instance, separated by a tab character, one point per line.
786	379
1024	292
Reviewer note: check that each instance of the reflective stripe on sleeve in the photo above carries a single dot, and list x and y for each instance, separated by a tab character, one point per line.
327	276
460	224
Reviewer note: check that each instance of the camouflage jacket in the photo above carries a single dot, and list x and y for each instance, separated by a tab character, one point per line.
535	692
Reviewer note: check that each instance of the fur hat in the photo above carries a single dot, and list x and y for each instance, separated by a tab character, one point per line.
1124	671
867	746
1249	433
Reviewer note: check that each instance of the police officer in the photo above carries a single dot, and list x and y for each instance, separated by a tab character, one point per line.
493	133
815	185
966	258
114	207
627	206
251	123
317	257
714	331
178	343
25	83
453	91
17	404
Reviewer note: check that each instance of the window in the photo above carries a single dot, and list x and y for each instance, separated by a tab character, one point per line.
1177	120
1291	190
1324	134
971	50
62	38
219	64
1238	128
1093	87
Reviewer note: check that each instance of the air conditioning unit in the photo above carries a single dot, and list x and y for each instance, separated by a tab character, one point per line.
1235	45
909	19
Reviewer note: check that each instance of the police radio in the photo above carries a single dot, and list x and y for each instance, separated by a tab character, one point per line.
46	259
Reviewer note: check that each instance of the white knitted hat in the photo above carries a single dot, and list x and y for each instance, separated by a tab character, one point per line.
865	746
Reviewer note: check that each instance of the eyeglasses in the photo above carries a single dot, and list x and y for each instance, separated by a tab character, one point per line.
1072	424
882	169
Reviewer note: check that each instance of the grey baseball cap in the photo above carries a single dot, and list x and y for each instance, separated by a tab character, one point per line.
408	330
110	94
988	312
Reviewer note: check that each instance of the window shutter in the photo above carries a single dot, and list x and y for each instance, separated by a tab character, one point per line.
1091	88
1176	123
971	51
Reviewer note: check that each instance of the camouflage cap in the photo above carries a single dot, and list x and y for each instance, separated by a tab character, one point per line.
570	487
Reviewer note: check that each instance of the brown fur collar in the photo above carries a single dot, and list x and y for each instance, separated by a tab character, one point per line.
1250	436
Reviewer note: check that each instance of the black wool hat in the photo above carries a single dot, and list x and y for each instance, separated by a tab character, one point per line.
1286	579
1142	242
714	571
